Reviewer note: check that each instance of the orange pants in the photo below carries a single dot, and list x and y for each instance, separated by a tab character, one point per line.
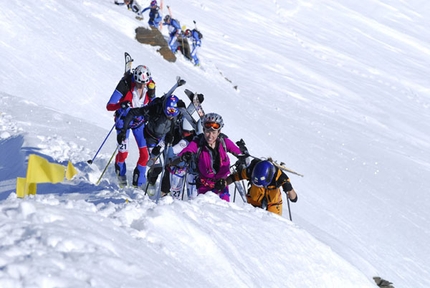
256	196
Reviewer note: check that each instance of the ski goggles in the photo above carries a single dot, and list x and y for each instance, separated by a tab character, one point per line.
172	111
212	126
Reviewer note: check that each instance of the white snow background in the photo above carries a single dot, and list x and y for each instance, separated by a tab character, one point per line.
338	90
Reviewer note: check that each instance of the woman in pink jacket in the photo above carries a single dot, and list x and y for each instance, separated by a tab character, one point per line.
210	155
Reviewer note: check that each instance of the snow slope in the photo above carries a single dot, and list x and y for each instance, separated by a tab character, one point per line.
338	91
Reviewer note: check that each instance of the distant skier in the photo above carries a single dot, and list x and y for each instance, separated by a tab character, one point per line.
135	89
266	180
196	38
155	16
174	30
132	5
210	152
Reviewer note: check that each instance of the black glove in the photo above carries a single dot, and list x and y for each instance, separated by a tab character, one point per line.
121	137
220	184
181	104
125	104
156	150
242	147
168	139
201	97
186	156
117	3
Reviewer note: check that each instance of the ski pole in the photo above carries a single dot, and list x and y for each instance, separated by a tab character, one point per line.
107	165
288	205
234	195
183	184
103	143
163	165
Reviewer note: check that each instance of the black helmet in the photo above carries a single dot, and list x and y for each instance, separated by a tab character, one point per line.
167	18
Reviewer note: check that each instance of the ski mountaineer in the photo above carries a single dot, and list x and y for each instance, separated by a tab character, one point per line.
155	16
174	176
136	89
174	30
210	154
160	117
196	39
266	180
131	5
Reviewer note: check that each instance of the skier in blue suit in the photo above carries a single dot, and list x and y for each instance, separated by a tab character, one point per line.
174	30
195	37
154	14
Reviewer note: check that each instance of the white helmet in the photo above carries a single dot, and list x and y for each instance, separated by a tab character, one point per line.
213	121
141	74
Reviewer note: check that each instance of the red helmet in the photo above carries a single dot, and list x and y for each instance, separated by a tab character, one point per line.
187	32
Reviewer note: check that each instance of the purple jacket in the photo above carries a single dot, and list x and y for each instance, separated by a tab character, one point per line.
207	174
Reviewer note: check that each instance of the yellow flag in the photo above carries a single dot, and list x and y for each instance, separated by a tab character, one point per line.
39	170
21	189
70	171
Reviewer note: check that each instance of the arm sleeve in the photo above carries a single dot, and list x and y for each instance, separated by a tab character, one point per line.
231	147
131	114
180	146
192	147
286	184
113	103
120	91
147	8
240	175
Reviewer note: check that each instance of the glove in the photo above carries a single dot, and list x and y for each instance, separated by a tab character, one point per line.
242	147
151	85
181	104
117	3
220	184
168	139
121	137
201	98
125	104
186	156
156	150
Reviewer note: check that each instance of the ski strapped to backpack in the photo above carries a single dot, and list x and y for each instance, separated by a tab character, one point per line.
128	62
281	166
195	106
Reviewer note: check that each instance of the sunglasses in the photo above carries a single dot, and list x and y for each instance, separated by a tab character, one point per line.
212	125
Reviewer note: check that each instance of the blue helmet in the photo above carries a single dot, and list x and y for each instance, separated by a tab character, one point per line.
263	173
171	106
